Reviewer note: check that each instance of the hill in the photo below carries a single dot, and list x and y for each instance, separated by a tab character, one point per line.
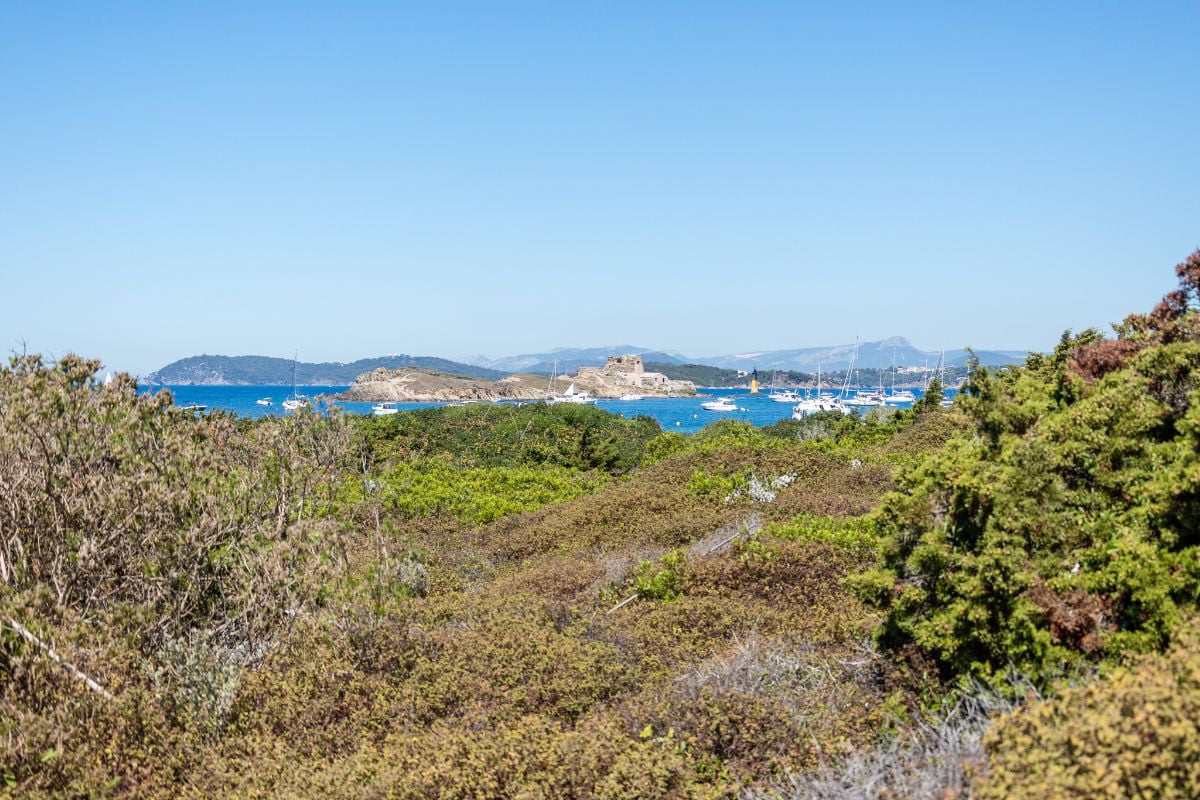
269	371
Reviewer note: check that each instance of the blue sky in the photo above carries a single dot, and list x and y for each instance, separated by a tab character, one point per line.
353	179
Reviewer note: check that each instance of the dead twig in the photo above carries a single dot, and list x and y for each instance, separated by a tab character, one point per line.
75	672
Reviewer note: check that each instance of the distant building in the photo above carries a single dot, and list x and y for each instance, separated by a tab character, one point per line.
629	371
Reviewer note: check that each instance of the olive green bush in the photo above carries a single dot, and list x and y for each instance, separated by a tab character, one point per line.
1134	733
1061	527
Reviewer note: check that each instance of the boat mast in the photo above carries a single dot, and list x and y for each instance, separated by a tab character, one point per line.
893	370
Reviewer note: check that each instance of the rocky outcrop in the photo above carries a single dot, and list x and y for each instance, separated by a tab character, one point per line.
628	373
623	374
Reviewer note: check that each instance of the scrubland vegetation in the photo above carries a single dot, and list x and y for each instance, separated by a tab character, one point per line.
993	600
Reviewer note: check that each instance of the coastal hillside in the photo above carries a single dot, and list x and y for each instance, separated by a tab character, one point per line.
417	385
268	371
996	599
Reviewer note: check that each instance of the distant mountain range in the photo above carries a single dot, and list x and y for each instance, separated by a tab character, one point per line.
870	355
569	359
268	371
265	370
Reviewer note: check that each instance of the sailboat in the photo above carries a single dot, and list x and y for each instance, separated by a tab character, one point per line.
297	400
898	397
815	405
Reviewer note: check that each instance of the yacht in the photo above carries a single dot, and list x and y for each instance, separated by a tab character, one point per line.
786	396
263	401
630	397
867	398
384	409
899	397
719	404
579	397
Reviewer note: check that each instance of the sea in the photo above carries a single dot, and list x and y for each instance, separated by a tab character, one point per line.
682	414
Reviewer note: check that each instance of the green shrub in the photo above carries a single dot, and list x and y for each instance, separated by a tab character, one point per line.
564	435
1134	733
1061	526
479	494
662	580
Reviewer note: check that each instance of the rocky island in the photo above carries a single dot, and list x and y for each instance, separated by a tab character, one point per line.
621	375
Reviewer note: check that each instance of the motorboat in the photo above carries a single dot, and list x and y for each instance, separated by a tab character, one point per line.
263	401
786	396
719	404
384	409
197	408
900	397
629	398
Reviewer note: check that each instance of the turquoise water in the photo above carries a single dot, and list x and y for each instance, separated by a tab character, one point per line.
672	413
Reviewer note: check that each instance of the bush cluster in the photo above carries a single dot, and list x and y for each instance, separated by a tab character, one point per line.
1062	527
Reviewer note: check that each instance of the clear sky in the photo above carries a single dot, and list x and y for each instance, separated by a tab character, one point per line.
352	179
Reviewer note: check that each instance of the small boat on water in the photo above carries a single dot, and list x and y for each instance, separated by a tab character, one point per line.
629	398
384	409
579	397
193	408
786	396
263	401
719	404
899	397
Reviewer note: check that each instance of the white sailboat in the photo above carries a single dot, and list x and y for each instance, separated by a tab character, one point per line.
819	403
297	400
902	396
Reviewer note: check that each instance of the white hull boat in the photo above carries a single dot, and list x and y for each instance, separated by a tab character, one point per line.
866	399
817	405
629	398
384	409
579	397
720	404
900	397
